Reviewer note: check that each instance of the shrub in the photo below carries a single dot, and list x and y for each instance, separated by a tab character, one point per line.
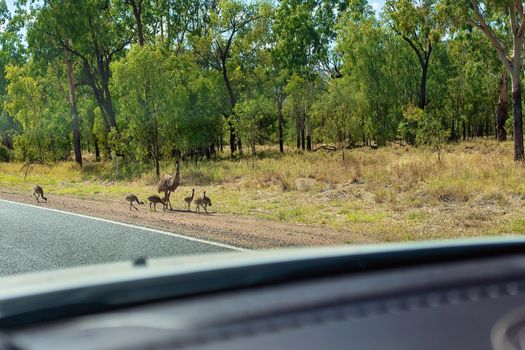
6	155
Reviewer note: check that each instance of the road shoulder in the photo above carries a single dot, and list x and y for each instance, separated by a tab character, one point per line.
246	232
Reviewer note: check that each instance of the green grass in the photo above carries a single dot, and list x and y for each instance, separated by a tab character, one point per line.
390	194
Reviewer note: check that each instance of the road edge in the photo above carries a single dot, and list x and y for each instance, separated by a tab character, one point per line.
189	238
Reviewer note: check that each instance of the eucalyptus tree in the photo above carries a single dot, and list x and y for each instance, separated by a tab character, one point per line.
418	23
36	101
298	50
231	21
305	35
503	24
149	117
12	51
337	115
137	7
472	85
54	43
296	105
94	32
379	71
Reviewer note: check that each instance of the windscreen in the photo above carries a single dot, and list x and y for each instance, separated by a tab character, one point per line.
131	130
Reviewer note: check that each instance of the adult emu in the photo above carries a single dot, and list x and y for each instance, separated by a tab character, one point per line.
168	184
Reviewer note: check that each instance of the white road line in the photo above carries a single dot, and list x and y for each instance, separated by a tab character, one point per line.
217	244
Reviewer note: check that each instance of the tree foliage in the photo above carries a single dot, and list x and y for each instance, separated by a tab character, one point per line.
156	80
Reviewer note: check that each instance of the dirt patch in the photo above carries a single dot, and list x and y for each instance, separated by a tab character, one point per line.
240	231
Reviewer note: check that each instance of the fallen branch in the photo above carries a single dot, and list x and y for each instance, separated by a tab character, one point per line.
325	148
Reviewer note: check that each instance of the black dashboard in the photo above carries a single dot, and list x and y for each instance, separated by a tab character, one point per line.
475	303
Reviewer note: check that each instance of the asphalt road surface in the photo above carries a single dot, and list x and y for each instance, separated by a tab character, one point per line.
33	239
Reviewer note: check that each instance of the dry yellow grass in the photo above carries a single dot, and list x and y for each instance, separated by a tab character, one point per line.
390	194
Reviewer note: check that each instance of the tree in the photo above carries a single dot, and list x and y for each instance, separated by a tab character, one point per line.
380	74
91	32
279	80
12	51
229	21
58	19
73	106
430	132
485	16
137	6
150	117
36	102
337	116
501	109
255	114
418	24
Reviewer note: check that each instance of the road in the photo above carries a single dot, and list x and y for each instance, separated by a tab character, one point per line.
34	238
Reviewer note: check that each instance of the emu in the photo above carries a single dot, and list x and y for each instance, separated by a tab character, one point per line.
169	184
132	198
204	202
189	199
154	199
38	192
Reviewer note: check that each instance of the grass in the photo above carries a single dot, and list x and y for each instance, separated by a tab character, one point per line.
390	194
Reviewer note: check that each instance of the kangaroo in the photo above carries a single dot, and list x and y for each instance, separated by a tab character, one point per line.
189	199
38	192
154	199
132	198
204	202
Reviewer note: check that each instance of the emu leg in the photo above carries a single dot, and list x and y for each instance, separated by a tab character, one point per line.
169	201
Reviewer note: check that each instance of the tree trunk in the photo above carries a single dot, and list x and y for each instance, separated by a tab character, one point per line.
423	88
308	137
501	109
303	143
157	167
298	130
280	124
232	102
108	103
239	144
518	116
137	13
97	149
73	106
104	73
102	95
232	138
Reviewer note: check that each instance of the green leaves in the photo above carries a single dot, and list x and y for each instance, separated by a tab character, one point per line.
165	102
41	109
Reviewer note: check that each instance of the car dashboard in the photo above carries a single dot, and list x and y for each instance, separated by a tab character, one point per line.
475	303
